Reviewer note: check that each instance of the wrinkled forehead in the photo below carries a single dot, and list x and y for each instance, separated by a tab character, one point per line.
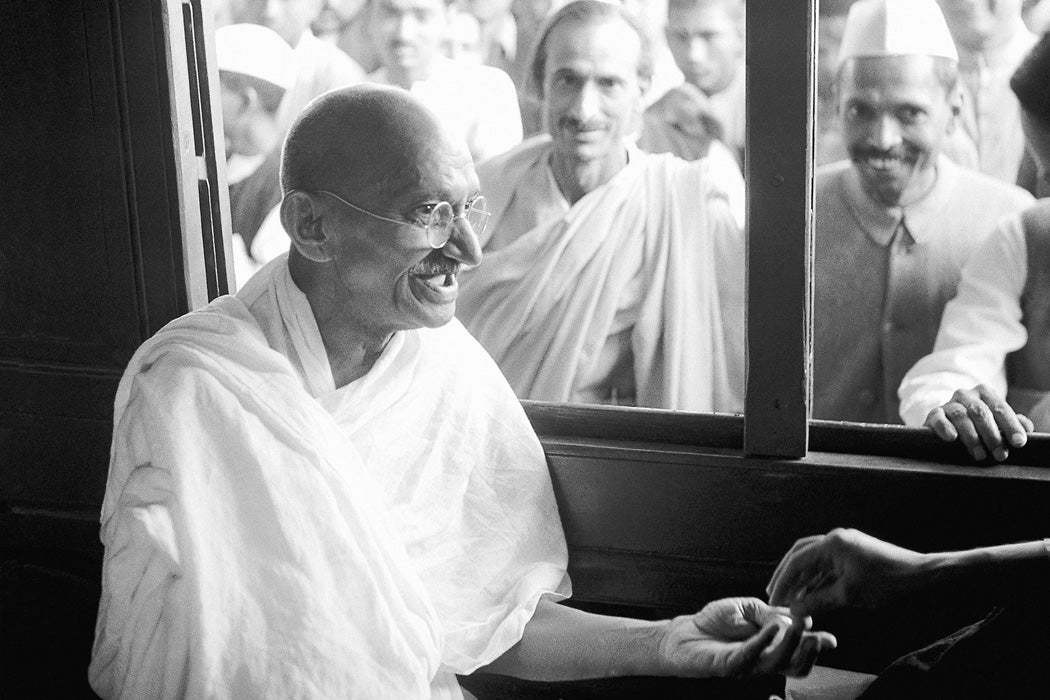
438	169
605	39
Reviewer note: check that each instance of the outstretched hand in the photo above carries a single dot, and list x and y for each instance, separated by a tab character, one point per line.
845	568
982	421
741	637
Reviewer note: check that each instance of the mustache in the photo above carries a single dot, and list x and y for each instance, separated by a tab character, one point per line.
861	153
437	263
573	123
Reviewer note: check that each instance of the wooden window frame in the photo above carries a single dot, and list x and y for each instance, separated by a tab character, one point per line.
776	425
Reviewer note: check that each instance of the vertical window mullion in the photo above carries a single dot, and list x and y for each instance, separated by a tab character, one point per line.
202	202
781	53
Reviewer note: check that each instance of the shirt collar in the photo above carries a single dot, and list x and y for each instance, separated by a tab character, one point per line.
880	221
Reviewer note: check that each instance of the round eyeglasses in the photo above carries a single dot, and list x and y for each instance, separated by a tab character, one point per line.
440	218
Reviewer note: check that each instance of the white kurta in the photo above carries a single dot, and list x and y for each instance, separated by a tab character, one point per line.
641	277
270	536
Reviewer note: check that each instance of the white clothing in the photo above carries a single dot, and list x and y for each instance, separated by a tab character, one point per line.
319	67
991	115
636	289
475	103
979	328
271	536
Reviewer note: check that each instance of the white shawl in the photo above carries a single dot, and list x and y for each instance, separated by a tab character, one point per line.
544	305
265	541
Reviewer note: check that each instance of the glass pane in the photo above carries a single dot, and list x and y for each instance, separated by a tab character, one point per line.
611	276
920	144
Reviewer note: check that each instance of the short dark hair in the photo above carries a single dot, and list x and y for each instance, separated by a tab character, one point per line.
587	12
1031	81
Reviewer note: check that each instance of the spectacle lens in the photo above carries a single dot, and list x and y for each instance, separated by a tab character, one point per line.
442	218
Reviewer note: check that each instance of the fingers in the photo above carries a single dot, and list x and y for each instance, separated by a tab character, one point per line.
1007	422
801	569
982	421
811	646
779	571
973	423
747	658
1027	424
777	658
941	425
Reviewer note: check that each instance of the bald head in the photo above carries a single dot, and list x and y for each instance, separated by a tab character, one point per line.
360	140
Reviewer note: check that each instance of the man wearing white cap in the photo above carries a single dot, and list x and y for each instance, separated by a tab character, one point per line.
256	69
896	223
255	72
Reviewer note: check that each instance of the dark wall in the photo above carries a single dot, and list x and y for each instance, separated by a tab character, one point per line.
89	267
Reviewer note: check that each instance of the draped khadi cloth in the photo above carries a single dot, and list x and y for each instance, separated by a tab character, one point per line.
270	536
656	250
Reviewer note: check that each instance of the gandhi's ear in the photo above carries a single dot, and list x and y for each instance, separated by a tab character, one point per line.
303	222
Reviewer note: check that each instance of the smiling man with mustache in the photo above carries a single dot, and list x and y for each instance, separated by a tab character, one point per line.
612	276
896	222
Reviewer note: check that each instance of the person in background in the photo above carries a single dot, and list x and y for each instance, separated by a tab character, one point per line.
318	67
987	381
706	38
611	276
831	23
346	25
498	32
1003	655
991	39
529	16
322	487
463	40
895	223
256	68
477	103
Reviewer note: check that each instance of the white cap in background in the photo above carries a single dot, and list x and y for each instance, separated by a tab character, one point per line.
896	28
256	51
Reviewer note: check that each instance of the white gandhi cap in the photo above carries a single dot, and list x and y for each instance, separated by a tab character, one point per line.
896	28
256	51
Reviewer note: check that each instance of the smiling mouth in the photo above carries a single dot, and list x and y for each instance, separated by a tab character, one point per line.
438	281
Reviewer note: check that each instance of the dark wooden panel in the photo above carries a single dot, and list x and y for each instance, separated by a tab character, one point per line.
666	528
778	169
61	462
66	272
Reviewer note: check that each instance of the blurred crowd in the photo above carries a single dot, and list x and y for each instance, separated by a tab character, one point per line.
913	177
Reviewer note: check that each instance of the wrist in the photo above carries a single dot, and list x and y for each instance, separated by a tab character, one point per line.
656	658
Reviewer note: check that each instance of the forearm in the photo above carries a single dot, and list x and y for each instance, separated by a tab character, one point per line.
997	574
561	643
